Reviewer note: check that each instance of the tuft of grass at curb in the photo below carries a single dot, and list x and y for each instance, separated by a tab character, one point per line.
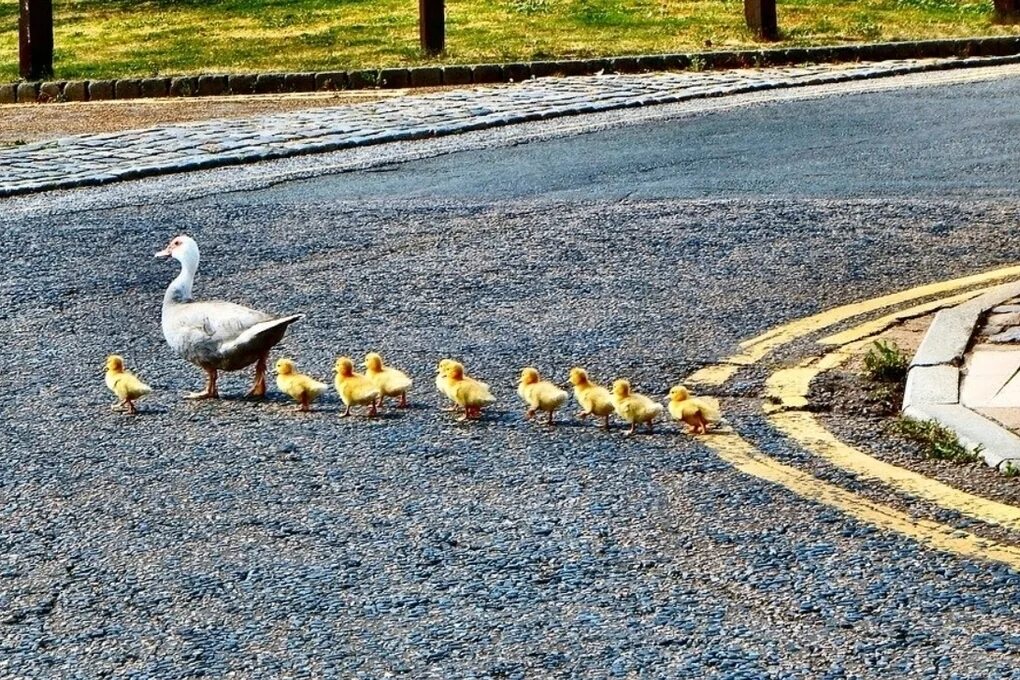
938	441
145	38
1010	471
886	362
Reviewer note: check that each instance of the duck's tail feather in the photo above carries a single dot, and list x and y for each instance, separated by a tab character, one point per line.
262	335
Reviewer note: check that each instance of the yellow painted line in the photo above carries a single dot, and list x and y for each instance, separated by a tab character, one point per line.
805	429
889	320
756	348
787	388
749	460
716	374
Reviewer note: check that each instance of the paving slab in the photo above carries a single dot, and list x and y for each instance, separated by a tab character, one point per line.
989	379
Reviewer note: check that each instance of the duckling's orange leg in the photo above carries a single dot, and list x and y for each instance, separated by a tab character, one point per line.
605	423
258	388
403	400
303	406
210	391
633	428
130	406
650	427
117	406
582	414
347	412
372	410
529	414
549	421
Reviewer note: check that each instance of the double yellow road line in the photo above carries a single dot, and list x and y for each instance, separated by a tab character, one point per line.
786	391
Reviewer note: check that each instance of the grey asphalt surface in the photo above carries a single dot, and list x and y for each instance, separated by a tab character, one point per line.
243	538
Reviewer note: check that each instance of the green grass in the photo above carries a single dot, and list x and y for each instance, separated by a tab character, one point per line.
111	38
886	362
938	442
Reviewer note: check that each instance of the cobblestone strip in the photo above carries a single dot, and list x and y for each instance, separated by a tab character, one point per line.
98	159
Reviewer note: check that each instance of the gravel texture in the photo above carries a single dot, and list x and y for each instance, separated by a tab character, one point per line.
232	537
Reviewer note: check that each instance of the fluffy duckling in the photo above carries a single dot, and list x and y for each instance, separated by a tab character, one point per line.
539	395
354	388
445	385
390	381
124	384
696	412
633	407
443	381
594	399
301	388
467	393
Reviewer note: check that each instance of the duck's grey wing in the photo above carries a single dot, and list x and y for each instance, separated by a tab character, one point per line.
200	330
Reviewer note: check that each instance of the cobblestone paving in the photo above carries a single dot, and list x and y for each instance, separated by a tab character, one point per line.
97	159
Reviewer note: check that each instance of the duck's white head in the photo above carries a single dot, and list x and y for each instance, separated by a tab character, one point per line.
183	249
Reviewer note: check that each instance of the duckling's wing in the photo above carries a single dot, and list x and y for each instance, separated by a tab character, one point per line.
314	387
394	380
709	408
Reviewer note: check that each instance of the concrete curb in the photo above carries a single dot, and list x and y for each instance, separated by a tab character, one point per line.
933	380
208	85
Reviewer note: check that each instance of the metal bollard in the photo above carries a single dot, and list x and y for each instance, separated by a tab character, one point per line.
432	25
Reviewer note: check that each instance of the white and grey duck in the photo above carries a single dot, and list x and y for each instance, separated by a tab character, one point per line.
216	335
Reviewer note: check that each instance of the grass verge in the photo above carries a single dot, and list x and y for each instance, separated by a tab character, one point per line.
119	38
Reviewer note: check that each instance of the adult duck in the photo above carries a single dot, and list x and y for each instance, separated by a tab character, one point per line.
216	335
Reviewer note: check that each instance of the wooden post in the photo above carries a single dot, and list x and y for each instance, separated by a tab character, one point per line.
35	39
1007	11
432	25
761	18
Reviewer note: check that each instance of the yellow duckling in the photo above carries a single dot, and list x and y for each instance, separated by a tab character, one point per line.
354	388
539	395
301	388
124	384
696	412
594	399
467	393
445	385
633	407
390	381
443	381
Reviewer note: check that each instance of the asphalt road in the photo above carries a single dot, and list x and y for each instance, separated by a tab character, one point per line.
954	141
235	537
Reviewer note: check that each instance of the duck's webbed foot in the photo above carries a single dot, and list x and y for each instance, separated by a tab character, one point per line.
210	391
